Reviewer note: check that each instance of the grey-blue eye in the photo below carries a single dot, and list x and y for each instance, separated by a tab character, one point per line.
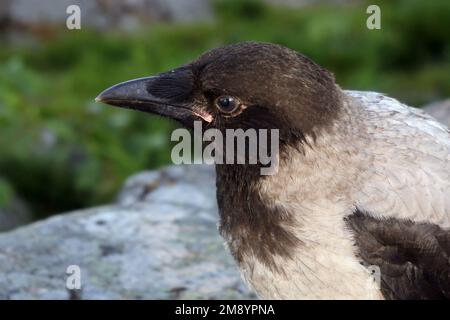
226	104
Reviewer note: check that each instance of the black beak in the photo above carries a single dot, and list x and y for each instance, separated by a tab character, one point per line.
168	94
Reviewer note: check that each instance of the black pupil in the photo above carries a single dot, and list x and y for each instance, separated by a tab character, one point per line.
226	103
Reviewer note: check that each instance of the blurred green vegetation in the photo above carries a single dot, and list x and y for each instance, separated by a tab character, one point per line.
59	150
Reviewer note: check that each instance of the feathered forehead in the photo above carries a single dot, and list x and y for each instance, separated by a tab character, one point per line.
257	70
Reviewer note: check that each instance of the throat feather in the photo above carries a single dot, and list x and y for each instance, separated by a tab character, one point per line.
251	226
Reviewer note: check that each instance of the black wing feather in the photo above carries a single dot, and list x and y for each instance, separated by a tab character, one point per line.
414	258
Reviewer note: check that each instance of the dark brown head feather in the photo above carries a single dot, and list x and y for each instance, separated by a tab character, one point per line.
280	84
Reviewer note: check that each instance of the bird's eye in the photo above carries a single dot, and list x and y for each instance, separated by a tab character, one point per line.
227	104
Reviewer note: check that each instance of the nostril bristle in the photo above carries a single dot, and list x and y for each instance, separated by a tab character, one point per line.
175	85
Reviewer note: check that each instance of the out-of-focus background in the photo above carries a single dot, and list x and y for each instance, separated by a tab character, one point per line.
59	150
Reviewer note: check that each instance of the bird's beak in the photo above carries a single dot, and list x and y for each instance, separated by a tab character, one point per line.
168	94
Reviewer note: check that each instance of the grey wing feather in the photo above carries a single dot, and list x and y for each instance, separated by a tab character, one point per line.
409	176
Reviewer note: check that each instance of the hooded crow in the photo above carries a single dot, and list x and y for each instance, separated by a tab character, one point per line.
360	205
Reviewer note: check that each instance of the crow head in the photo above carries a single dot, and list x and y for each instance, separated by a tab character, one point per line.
245	85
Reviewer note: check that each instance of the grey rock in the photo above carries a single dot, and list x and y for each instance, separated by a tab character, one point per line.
159	241
102	15
302	3
182	11
439	110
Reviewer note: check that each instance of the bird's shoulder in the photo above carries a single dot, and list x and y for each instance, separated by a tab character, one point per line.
398	116
402	220
408	176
